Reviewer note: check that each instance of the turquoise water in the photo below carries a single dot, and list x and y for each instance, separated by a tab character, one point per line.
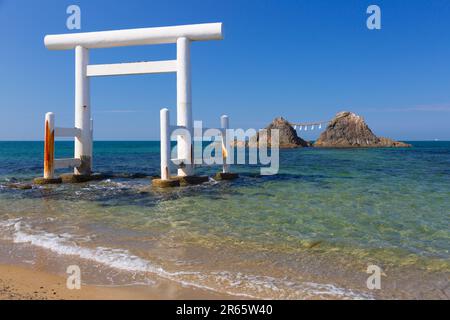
308	232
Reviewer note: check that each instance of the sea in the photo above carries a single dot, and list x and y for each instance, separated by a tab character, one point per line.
322	228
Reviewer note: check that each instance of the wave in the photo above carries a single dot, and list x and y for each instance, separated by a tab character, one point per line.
237	284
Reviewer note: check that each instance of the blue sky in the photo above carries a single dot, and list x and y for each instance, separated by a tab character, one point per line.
304	60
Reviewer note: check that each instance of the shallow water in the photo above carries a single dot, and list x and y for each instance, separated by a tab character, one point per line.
308	232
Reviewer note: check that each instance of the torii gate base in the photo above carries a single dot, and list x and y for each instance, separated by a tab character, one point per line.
191	180
225	176
179	181
168	181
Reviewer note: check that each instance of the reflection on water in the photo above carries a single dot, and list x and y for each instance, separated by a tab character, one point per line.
308	232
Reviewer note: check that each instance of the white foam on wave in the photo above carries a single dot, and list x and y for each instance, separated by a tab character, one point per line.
65	245
9	222
238	284
266	286
7	227
120	259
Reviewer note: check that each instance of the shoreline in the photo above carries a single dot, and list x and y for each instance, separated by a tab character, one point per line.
21	283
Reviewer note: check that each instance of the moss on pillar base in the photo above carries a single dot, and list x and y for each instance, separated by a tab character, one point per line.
192	180
44	181
179	181
225	176
80	178
171	183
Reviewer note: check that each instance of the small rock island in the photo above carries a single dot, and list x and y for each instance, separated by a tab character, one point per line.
288	137
346	130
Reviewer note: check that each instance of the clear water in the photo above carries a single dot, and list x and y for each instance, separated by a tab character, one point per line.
308	232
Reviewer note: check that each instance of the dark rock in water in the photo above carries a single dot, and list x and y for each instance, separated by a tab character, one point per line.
288	137
348	130
20	186
44	181
386	142
137	175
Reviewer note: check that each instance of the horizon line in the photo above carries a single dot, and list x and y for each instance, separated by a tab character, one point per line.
152	140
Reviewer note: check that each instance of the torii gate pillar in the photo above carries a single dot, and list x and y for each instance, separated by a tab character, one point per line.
83	142
184	105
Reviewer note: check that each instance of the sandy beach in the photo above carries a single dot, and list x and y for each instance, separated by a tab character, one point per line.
19	283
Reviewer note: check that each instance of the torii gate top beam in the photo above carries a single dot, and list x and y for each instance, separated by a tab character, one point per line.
134	37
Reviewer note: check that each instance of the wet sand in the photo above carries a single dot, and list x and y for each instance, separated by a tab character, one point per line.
19	283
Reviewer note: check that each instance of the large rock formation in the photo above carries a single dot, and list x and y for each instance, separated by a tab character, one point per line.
349	130
288	137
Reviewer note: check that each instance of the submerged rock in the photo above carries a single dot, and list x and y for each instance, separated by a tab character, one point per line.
20	186
288	137
386	142
348	130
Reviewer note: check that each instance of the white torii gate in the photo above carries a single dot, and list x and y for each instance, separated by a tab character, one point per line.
82	42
